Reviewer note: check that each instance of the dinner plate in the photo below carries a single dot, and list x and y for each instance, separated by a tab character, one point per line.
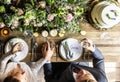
73	51
19	55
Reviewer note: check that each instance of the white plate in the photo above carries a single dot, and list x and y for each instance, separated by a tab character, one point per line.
19	55
74	48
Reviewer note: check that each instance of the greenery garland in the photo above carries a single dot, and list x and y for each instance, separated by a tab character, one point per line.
38	15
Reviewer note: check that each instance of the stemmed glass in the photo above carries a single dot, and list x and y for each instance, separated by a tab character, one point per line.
86	53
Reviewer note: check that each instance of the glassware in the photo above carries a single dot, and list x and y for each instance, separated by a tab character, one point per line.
105	36
4	32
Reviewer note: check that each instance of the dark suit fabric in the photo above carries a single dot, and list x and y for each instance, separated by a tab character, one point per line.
98	70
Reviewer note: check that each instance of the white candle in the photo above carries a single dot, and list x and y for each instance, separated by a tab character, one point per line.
53	32
44	33
83	32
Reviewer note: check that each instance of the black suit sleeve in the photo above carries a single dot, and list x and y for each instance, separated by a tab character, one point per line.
98	60
98	69
66	75
48	72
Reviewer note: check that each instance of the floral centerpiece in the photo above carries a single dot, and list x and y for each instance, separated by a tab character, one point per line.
38	15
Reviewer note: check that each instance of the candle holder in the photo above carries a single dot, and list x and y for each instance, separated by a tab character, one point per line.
4	32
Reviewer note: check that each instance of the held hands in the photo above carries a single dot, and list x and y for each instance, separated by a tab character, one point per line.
17	48
47	51
88	44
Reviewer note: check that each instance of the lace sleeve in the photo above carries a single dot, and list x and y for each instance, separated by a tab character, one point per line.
3	61
38	65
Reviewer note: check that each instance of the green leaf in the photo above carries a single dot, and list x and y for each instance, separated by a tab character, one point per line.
71	1
50	2
2	9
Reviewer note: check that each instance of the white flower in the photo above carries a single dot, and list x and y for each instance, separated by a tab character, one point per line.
50	17
13	27
16	23
26	22
39	24
68	17
68	7
7	1
2	25
42	4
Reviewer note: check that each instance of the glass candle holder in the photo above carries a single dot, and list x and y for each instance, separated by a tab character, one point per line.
4	32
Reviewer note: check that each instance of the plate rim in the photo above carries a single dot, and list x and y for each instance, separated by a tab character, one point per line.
20	39
70	59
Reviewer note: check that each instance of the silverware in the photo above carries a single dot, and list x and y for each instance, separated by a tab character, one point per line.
57	52
33	45
0	50
84	58
33	49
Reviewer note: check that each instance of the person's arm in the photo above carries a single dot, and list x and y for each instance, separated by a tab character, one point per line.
47	54
48	72
3	61
98	59
48	66
6	57
98	69
36	66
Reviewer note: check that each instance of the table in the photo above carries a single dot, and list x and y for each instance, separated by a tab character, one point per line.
108	41
109	44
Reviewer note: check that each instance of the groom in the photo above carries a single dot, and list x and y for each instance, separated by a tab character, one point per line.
79	71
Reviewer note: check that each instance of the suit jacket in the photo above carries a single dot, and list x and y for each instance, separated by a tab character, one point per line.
98	70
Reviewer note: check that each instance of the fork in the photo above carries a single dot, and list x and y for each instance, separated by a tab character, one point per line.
0	50
57	52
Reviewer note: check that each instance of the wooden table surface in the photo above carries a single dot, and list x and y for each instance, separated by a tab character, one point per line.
108	41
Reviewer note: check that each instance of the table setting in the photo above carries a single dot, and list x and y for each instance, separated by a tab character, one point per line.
35	27
19	55
70	49
26	39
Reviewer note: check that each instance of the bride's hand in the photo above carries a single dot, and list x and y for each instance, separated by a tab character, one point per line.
17	48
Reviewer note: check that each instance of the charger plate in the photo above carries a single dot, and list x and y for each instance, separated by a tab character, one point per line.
75	49
19	55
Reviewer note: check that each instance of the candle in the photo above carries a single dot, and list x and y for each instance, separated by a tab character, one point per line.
36	34
44	33
83	32
53	32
